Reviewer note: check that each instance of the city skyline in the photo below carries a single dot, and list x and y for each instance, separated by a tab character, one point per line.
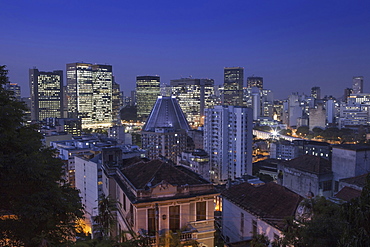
293	45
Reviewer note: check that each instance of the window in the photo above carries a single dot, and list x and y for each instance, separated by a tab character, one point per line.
254	227
327	185
151	221
174	218
124	201
201	210
242	223
336	186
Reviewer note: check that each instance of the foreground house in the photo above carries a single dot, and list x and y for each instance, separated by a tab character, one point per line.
248	210
182	200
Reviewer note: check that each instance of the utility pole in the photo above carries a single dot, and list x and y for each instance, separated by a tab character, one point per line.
157	225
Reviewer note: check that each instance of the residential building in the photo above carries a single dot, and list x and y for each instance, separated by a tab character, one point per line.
350	188
193	95
233	86
197	161
287	150
46	89
307	175
69	125
228	141
349	161
89	92
164	133
147	92
249	210
154	194
317	117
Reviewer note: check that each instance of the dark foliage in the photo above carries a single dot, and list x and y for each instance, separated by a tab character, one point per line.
37	207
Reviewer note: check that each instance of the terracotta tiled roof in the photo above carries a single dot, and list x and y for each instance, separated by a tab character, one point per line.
271	202
359	181
152	172
348	193
310	163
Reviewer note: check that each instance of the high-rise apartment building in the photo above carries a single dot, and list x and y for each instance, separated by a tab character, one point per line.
89	93
46	89
228	141
147	92
193	95
233	86
254	81
164	133
358	84
15	89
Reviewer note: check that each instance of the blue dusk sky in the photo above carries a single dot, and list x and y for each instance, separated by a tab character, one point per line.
293	45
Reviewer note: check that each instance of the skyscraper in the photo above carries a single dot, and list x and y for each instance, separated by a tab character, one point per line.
89	93
233	86
117	101
316	92
193	95
228	141
15	88
358	84
164	133
46	89
255	81
147	92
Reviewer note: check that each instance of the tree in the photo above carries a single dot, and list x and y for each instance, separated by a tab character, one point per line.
260	240
105	219
323	226
303	131
357	216
38	208
286	132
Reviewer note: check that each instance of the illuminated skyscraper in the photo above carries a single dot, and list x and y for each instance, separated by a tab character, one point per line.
46	89
254	81
89	93
15	88
147	92
193	95
233	86
358	84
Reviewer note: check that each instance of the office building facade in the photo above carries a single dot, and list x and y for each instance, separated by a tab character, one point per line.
15	89
233	86
46	90
358	84
193	95
147	92
89	93
255	81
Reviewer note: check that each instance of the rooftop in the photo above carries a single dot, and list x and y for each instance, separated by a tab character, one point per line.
271	202
359	181
348	193
311	164
166	113
355	147
144	174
